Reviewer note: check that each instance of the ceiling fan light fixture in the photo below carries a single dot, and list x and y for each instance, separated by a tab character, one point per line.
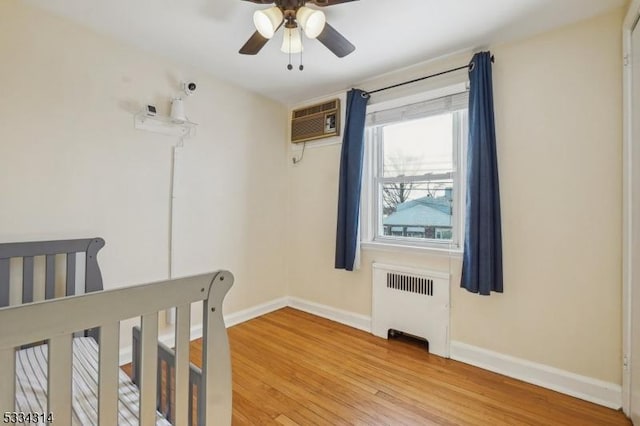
267	21
312	21
292	41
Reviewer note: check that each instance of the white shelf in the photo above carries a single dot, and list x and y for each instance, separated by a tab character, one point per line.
164	125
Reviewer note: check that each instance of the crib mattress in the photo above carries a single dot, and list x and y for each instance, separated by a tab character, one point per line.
31	385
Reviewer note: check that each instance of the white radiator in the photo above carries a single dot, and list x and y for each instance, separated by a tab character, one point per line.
412	301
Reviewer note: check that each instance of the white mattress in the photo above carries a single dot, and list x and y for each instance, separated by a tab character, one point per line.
31	385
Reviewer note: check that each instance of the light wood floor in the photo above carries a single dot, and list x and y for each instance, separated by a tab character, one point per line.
293	368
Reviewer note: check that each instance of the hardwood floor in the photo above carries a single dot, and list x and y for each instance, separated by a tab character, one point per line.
292	368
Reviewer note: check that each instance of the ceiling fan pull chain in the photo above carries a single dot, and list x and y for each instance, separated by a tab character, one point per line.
289	67
301	66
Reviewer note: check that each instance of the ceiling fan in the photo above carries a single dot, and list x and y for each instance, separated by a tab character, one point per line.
293	14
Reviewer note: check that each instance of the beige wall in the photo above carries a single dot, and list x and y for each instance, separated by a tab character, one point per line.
72	165
558	117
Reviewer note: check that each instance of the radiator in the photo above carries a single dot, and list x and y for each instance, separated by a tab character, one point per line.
412	301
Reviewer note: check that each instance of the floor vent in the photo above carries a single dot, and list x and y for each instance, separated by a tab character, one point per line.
411	301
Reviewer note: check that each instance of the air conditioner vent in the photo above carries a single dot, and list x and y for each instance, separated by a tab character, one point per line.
314	109
315	121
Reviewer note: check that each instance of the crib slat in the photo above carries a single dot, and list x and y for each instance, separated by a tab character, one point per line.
71	274
108	376
4	282
27	279
183	317
149	369
7	380
59	383
50	277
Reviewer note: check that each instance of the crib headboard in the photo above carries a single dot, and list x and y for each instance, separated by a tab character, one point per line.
28	251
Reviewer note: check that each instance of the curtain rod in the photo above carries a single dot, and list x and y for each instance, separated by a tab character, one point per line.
470	66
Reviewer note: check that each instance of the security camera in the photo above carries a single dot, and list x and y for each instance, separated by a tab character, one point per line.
189	87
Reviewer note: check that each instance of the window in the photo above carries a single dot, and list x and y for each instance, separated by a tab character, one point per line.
412	172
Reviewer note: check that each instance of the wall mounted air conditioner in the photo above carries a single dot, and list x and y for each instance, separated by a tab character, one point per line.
315	121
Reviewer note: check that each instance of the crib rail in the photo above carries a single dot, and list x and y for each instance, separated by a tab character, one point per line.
56	321
29	251
166	402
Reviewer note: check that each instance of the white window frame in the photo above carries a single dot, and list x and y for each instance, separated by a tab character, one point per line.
370	207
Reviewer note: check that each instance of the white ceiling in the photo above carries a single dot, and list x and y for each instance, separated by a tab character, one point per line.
388	34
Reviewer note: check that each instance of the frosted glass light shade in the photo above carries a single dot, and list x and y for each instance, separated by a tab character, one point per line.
292	41
312	21
267	21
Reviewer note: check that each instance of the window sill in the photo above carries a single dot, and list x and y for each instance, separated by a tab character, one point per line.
409	248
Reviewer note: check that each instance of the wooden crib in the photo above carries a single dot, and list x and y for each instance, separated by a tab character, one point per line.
77	308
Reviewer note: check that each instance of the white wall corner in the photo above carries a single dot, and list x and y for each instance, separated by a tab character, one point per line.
255	312
361	322
583	387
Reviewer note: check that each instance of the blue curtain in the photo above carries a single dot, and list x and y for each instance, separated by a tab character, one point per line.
482	260
350	179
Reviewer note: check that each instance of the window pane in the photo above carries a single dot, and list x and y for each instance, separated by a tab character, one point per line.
418	209
418	147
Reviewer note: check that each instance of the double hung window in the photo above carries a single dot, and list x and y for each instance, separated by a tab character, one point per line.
414	173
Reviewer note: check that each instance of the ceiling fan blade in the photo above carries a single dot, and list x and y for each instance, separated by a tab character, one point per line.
323	3
260	1
335	42
254	44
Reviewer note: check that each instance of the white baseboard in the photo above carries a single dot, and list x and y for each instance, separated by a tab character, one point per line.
361	322
167	339
125	355
583	387
230	320
255	311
